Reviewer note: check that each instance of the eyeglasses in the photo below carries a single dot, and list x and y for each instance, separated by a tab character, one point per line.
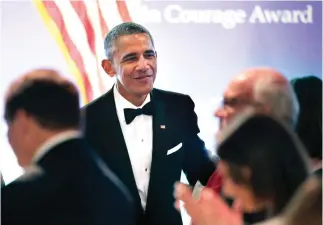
238	102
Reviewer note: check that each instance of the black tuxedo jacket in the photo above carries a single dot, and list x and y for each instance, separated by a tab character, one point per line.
174	122
70	185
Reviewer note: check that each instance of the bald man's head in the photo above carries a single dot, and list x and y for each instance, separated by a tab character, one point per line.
42	75
250	79
45	95
263	89
39	105
253	74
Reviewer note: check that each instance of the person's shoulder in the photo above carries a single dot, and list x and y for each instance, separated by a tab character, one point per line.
26	181
170	95
98	101
96	104
32	174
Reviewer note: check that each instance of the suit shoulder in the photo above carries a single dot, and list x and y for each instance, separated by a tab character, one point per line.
95	103
93	109
29	179
170	95
31	174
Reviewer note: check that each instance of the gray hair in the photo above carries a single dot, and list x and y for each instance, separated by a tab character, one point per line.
127	28
280	98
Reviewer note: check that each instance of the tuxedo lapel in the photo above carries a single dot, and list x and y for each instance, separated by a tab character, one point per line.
159	130
117	153
159	149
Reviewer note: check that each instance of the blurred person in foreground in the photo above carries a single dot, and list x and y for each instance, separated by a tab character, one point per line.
308	90
64	181
262	164
264	90
305	208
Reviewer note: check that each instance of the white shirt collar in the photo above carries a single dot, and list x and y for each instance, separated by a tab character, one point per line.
122	103
53	141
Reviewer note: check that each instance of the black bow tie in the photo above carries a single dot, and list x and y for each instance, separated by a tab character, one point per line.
130	114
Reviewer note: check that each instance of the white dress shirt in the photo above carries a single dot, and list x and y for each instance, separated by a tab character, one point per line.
53	141
138	137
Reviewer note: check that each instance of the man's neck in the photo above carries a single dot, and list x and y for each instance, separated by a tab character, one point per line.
51	138
136	100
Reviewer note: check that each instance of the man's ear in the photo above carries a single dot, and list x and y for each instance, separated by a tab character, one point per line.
107	67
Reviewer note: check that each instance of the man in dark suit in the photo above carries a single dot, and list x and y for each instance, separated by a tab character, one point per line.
147	136
65	181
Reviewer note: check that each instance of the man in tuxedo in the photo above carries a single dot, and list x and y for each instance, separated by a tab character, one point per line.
64	182
147	136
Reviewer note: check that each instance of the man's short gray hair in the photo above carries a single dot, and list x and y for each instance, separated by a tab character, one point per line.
280	98
127	28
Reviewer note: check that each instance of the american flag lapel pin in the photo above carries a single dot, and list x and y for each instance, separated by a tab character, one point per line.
162	127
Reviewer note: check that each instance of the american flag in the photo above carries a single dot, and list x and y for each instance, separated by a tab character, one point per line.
79	28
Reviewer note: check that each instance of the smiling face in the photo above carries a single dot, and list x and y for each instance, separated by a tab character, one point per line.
134	64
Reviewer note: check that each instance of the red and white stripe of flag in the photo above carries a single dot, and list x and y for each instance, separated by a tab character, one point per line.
79	27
